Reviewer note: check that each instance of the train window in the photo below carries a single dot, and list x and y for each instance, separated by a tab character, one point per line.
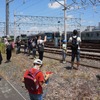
87	34
82	35
57	34
97	34
91	34
23	35
48	34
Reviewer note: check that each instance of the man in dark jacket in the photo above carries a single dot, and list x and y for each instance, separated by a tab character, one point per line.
0	57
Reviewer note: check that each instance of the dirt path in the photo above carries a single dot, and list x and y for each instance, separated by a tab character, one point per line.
65	84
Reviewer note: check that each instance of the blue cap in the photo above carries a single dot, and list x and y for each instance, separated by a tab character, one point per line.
64	41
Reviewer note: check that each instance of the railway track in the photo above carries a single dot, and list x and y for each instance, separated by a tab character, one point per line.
82	55
83	45
82	64
86	55
82	49
85	52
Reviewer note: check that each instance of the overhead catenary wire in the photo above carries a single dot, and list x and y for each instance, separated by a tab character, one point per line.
43	11
50	12
34	3
39	11
21	5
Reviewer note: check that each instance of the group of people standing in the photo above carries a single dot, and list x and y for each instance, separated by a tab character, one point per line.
40	79
32	44
37	43
38	93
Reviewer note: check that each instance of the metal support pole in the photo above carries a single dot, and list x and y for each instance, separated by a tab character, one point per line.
65	32
7	17
81	24
14	27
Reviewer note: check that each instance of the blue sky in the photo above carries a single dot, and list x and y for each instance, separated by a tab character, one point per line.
90	14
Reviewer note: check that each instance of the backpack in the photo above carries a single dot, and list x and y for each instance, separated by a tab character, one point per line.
64	46
9	47
40	47
13	45
30	80
74	45
33	44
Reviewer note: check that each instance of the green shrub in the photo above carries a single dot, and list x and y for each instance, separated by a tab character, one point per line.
2	47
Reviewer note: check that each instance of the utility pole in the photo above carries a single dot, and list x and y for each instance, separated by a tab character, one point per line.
65	20
65	8
7	17
15	34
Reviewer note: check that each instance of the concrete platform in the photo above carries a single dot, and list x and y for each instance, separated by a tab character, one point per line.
8	92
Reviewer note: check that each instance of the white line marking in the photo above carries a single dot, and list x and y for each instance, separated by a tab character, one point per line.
16	90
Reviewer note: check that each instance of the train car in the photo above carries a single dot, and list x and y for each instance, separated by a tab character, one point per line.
49	36
52	35
68	35
22	37
11	37
90	36
86	36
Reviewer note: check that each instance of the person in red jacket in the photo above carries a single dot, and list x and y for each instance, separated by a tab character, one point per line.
38	93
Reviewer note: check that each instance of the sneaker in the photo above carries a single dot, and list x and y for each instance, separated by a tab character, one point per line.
76	68
98	77
64	62
7	61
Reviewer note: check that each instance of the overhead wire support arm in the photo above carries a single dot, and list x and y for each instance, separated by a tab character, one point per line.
10	1
60	3
93	3
83	2
65	8
74	1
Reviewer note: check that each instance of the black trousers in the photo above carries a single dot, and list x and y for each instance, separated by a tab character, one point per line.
8	54
0	57
41	55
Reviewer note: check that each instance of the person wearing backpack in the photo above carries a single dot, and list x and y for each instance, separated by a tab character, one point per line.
34	80
40	44
34	43
75	41
30	47
18	45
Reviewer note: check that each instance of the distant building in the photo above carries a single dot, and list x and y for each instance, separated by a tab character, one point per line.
99	26
90	28
93	28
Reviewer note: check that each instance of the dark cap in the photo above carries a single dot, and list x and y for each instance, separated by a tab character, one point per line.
75	32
